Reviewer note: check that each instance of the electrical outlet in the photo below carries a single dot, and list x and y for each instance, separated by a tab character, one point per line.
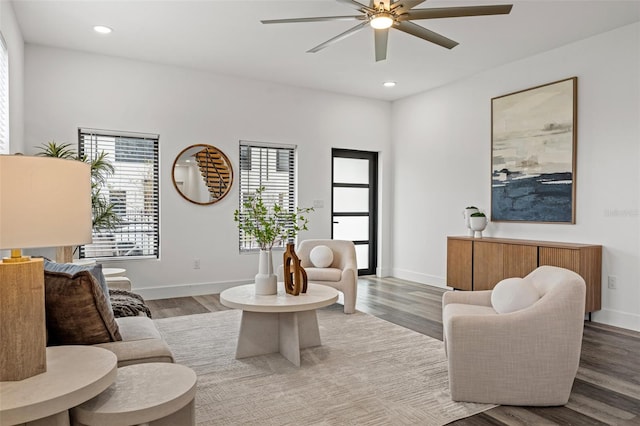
196	263
612	282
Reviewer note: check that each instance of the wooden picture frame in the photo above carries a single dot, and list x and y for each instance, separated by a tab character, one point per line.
533	154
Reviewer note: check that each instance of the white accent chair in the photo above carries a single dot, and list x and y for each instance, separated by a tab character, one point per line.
342	274
528	357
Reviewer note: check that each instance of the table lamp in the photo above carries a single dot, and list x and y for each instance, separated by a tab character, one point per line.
44	202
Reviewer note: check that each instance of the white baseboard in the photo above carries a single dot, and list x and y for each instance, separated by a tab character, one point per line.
184	290
419	277
617	319
382	272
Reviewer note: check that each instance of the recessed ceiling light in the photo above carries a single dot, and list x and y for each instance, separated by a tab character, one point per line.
389	83
102	29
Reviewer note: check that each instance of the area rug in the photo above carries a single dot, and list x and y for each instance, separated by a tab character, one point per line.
367	372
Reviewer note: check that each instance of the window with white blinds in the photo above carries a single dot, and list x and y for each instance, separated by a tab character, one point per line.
4	97
271	166
132	190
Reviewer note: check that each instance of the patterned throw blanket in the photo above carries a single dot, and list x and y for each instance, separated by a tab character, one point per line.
127	304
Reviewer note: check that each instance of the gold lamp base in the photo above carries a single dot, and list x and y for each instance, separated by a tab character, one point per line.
16	257
22	320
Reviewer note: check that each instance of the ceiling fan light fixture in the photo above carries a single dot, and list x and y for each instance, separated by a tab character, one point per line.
399	15
382	20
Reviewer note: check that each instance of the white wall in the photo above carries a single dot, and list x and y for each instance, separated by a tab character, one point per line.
441	148
15	47
66	90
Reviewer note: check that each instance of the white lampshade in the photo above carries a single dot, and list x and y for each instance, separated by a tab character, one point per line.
44	202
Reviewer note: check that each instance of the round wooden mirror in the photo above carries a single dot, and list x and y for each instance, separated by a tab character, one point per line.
202	174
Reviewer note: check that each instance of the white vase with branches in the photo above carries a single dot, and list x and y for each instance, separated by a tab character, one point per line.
269	224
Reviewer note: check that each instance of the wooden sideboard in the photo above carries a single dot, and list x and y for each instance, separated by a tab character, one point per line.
480	263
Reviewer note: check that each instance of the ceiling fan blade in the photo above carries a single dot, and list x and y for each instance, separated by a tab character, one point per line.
359	6
381	37
403	6
316	19
425	34
455	12
339	37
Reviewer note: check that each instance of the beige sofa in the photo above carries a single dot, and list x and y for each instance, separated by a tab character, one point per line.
141	342
78	311
528	357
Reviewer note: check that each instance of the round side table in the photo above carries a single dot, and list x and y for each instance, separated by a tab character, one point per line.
114	272
74	374
156	393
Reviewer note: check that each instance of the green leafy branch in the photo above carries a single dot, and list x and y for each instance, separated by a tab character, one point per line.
269	225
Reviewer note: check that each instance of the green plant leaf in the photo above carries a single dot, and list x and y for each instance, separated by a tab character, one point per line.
269	223
103	216
53	149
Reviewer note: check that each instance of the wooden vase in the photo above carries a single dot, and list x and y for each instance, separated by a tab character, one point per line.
295	277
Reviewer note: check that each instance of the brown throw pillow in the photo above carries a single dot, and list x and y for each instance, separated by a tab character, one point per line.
77	310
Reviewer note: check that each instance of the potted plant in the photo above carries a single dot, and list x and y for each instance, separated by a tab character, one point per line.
102	213
477	223
269	224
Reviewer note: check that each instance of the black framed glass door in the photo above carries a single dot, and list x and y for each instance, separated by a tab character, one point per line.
354	176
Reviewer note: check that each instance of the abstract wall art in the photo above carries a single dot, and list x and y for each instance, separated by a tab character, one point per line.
533	154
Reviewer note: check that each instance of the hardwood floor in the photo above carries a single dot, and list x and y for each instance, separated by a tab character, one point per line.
605	392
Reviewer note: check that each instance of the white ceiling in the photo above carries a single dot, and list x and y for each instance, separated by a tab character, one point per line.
227	37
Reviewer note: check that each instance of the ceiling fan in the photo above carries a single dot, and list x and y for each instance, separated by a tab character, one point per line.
384	14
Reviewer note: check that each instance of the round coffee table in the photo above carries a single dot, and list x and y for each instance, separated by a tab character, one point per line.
280	323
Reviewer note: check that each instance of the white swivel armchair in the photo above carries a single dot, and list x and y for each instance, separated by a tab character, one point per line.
527	357
342	274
